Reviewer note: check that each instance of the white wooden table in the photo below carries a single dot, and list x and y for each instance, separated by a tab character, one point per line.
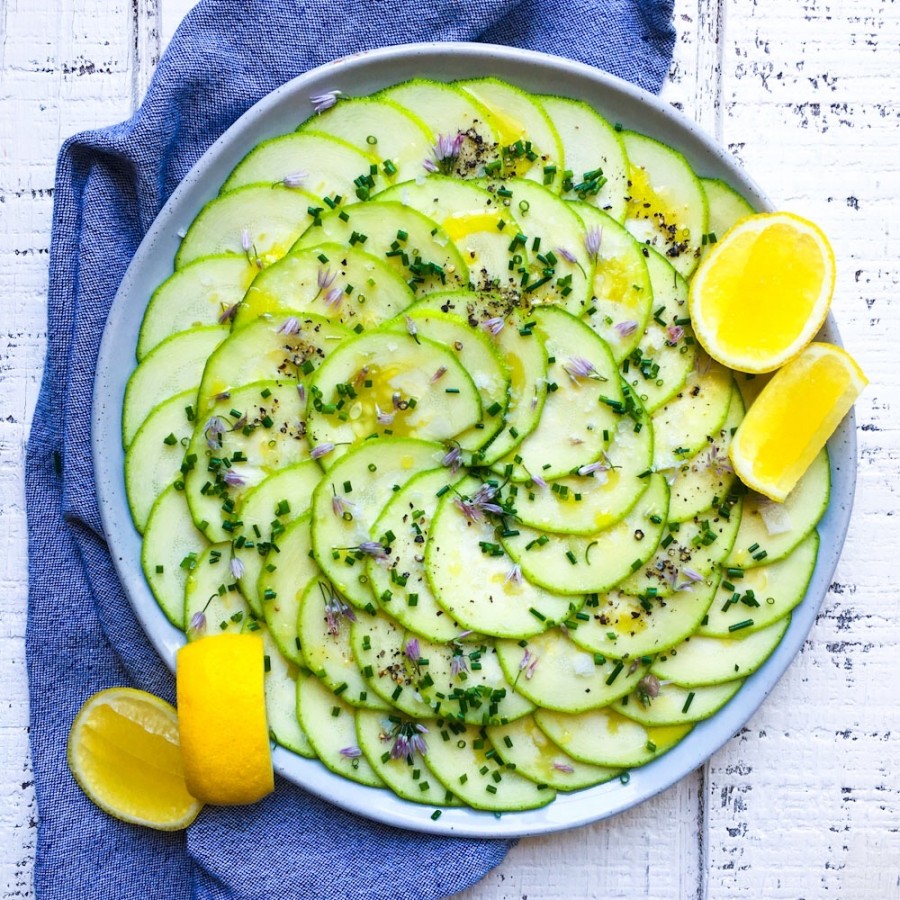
805	801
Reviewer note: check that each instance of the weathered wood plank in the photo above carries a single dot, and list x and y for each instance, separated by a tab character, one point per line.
805	801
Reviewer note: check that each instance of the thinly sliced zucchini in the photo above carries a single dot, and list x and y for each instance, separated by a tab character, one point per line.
659	366
700	660
697	482
462	680
584	402
773	529
478	356
686	424
331	280
576	564
477	222
726	208
323	624
667	206
288	347
626	627
688	553
621	290
153	459
449	111
281	701
399	582
172	367
561	263
523	745
395	140
677	706
202	293
396	764
248	435
416	246
554	673
389	383
459	757
258	222
265	511
322	165
762	595
287	571
171	542
330	725
213	603
594	155
363	481
462	543
531	147
603	737
585	504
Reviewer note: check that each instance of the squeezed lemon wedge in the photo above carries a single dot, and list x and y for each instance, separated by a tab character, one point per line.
792	418
222	719
123	751
763	291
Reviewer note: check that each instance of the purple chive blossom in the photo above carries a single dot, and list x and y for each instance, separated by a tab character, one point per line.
418	742
198	621
538	481
529	663
649	687
463	634
233	479
321	450
237	567
400	750
222	395
324	101
567	255
458	664
494	325
338	506
228	313
334	298
350	752
718	461
411	329
594	467
382	417
373	549
301	392
563	767
246	241
439	374
674	334
514	575
444	153
451	459
411	649
324	279
291	325
396	400
592	240
335	610
295	179
215	427
578	367
626	329
480	502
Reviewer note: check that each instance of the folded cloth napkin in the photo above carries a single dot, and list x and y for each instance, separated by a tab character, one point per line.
82	635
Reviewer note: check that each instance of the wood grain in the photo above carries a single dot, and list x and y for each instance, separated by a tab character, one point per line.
805	801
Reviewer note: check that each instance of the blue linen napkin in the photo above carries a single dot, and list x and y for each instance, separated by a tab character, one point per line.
82	635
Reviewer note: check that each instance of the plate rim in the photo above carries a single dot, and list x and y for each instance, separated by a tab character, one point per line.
568	810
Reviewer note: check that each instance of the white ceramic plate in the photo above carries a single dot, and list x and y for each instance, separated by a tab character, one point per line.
281	112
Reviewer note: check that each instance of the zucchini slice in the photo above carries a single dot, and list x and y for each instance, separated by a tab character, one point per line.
676	706
281	702
212	596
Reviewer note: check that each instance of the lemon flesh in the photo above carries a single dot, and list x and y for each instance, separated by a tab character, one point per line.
124	753
222	719
792	418
763	292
